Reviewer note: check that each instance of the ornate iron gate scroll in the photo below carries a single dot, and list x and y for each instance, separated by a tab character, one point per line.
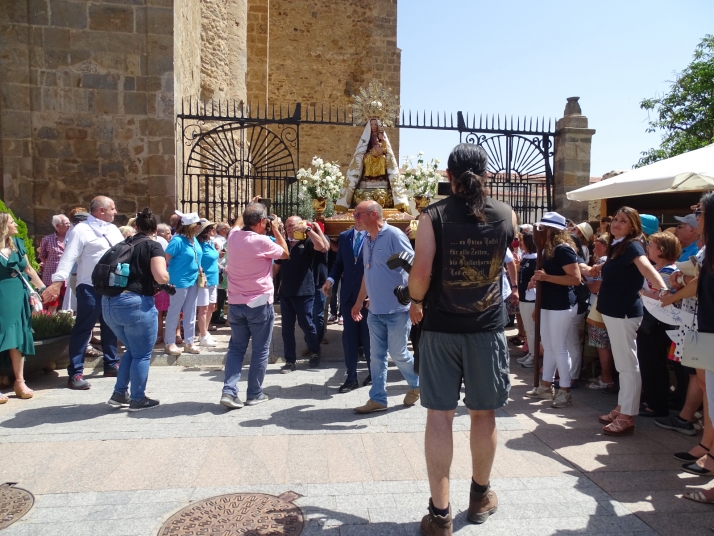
232	158
230	153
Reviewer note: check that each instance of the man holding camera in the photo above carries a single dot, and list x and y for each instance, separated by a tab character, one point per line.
460	249
250	301
388	320
297	288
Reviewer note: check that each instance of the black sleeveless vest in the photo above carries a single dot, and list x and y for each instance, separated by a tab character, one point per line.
465	293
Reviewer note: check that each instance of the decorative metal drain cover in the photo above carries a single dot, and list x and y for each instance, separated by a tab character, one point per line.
248	514
14	503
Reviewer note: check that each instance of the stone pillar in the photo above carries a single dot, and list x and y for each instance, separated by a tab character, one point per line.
571	168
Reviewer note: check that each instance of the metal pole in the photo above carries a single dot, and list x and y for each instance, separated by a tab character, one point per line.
539	236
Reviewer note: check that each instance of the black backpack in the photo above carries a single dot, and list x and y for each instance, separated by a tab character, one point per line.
112	273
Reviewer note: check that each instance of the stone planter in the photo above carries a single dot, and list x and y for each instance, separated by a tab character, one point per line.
47	353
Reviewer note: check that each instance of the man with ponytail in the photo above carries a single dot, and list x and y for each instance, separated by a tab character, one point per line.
455	285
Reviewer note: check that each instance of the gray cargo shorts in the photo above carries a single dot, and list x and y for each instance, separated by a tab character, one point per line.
479	360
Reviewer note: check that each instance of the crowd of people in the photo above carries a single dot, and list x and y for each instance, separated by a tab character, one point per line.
453	303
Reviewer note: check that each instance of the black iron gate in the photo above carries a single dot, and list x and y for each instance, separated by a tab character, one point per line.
231	153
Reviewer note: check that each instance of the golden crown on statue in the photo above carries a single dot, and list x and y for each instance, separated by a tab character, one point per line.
375	102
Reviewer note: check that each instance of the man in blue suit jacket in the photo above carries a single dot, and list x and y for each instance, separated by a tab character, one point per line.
349	266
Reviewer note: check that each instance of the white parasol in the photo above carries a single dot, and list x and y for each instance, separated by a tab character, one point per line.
692	171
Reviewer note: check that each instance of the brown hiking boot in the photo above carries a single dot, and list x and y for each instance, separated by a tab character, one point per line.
481	506
434	525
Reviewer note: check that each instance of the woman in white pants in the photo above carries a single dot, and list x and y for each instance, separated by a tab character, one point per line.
559	274
183	256
620	305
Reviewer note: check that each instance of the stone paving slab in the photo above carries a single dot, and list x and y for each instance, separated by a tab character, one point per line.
100	471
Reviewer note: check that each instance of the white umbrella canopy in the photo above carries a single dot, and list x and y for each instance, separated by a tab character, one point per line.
692	171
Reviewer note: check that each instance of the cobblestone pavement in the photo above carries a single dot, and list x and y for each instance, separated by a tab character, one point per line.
101	471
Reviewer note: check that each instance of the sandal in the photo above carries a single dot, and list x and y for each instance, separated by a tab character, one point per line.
622	425
597	383
21	393
3	399
699	496
192	349
689	458
92	352
609	418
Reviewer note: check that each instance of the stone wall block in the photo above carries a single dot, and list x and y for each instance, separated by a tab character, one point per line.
79	59
16	124
125	43
85	149
159	65
49	78
112	168
100	81
76	134
13	11
135	103
38	12
88	40
160	21
68	14
106	102
111	18
48	133
14	97
58	38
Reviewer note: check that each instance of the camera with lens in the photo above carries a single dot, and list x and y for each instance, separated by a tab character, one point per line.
168	288
405	261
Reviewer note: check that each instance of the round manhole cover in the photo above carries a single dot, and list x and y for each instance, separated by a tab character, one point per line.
14	503
249	514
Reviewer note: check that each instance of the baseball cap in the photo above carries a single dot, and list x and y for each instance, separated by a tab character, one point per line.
689	219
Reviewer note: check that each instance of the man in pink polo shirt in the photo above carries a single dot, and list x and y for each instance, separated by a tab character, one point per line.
250	301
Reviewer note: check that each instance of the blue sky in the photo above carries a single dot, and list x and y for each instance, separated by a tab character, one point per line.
518	57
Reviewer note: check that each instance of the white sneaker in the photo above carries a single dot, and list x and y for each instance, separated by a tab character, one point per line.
522	359
528	362
545	393
562	400
207	341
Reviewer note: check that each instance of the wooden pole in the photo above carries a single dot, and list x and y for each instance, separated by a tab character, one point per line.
539	237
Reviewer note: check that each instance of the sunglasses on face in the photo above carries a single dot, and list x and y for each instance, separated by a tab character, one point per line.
698	212
358	215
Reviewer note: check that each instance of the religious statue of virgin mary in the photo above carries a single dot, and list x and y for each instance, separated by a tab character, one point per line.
373	172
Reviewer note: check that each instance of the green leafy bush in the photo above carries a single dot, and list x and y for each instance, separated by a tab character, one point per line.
22	233
46	325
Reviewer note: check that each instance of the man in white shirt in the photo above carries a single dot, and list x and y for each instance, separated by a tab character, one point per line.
86	244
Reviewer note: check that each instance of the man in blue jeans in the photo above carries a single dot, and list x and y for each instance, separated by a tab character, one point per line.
388	320
250	301
86	244
297	288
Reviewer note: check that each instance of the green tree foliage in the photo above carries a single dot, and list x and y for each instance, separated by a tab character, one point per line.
686	113
22	233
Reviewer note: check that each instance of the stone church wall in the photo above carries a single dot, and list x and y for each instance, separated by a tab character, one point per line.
87	105
322	51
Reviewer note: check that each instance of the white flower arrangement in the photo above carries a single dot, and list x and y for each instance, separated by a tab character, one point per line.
420	180
325	182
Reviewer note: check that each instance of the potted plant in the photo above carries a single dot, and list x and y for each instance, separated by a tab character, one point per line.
51	334
420	181
325	183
